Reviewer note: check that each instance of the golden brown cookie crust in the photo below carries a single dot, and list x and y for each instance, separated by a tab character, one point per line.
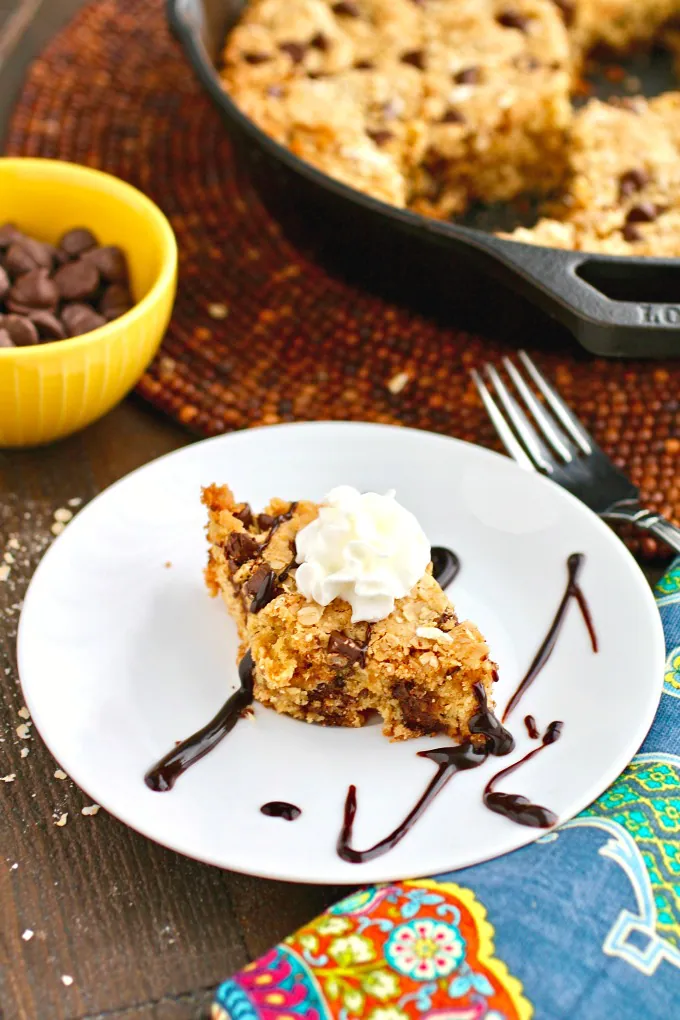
313	663
436	104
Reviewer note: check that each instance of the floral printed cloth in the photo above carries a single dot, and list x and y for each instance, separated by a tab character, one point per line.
584	924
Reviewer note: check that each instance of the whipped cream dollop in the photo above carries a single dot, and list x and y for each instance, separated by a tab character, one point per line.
364	548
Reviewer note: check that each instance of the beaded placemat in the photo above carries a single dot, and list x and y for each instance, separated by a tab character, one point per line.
261	332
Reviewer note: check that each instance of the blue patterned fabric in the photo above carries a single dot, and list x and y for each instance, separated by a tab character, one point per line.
588	918
583	924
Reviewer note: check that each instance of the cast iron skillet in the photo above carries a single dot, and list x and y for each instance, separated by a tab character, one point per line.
614	306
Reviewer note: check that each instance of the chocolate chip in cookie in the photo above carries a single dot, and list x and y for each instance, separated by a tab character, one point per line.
452	116
511	18
262	586
346	8
468	76
295	50
340	644
416	58
241	547
567	9
244	515
380	137
644	212
631	232
632	181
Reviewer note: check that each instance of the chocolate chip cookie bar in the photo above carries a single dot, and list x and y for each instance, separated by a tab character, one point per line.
496	79
422	669
429	105
622	195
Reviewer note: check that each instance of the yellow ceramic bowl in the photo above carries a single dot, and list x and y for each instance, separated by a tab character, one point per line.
52	389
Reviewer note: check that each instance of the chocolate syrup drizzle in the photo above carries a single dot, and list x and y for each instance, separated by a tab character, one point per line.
445	565
572	591
449	761
499	741
166	772
276	524
515	806
281	809
267	587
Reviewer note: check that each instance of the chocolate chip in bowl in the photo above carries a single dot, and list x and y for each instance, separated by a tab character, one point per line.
68	235
50	293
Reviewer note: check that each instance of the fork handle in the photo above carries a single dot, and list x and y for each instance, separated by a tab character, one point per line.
647	520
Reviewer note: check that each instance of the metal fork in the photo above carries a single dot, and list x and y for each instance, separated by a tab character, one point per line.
557	445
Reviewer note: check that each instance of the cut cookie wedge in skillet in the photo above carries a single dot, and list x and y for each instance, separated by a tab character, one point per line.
392	645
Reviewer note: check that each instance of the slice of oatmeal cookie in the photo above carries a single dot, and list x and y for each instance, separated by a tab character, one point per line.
417	667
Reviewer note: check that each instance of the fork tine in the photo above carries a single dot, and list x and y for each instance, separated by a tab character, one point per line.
536	449
566	416
504	431
552	433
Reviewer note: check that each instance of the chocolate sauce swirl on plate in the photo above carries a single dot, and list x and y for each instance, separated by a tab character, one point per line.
515	806
449	761
572	591
281	809
274	523
445	565
499	741
163	776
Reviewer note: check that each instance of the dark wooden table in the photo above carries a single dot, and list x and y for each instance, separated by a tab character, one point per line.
141	931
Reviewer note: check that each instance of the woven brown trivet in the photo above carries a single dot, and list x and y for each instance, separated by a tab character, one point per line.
261	333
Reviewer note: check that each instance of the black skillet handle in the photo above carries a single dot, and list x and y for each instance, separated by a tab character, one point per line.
616	307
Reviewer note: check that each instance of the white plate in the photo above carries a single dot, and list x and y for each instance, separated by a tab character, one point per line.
120	656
